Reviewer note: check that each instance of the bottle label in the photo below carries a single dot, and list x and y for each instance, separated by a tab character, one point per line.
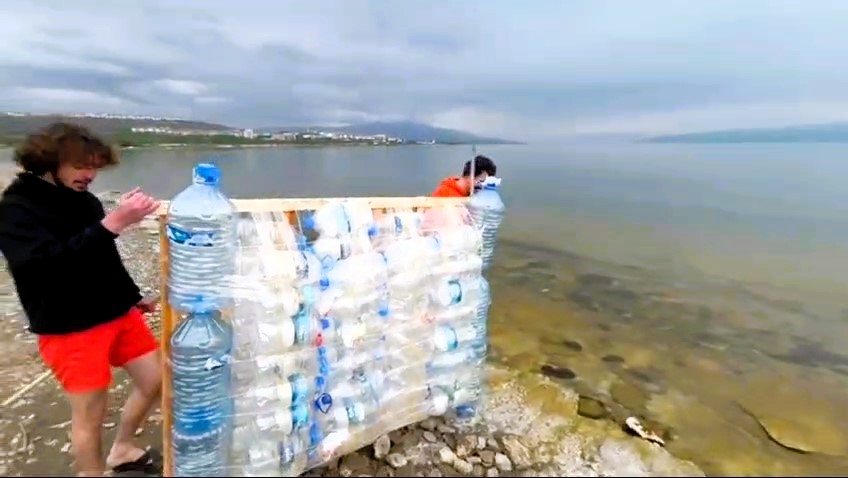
300	416
299	387
214	363
197	239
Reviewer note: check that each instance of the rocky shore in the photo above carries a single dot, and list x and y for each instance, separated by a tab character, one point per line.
532	425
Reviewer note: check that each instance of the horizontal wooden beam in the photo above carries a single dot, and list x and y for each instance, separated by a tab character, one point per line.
305	204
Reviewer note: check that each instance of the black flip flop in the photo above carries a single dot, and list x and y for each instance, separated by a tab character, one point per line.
149	464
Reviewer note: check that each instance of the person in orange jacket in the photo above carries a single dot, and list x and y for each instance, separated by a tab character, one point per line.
457	187
453	186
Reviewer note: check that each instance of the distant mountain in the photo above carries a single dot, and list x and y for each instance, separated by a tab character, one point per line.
818	133
14	125
406	130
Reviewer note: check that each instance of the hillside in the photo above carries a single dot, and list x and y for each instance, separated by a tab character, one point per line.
15	127
819	133
407	130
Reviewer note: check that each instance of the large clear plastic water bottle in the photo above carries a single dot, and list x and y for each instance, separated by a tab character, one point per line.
202	404
201	231
487	208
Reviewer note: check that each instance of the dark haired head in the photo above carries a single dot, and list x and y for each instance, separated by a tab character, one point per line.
63	143
482	164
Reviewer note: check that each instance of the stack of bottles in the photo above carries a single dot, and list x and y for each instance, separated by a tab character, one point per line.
307	335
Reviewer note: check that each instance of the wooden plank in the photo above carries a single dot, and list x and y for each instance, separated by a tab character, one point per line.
305	204
167	328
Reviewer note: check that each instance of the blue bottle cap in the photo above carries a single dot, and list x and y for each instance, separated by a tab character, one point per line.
384	311
308	222
324	282
372	231
320	382
207	173
326	322
323	402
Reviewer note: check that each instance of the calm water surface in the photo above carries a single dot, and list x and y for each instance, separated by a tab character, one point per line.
700	287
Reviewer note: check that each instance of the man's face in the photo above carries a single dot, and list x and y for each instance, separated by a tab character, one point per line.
76	176
480	179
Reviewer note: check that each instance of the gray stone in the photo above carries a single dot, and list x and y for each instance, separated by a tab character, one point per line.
396	460
430	436
492	473
443	428
463	467
502	462
487	457
466	445
429	424
381	447
492	444
474	460
518	454
447	456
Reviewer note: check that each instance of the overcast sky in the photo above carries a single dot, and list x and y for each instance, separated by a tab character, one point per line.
532	70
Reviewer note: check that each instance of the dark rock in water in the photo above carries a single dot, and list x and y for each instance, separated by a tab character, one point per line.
585	300
590	408
573	345
596	280
555	371
612	358
604	327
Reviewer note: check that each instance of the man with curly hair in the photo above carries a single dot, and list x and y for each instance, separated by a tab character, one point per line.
78	296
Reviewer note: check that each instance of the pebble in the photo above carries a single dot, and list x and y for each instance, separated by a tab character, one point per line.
502	462
430	436
463	467
475	460
492	472
429	424
481	443
492	444
518	454
487	457
447	456
381	447
466	445
447	429
396	460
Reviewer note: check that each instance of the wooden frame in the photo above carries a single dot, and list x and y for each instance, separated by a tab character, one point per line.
285	206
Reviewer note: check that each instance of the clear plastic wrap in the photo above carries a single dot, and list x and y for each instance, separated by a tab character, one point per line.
336	325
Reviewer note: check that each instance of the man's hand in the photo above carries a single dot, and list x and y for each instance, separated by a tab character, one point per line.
148	305
134	206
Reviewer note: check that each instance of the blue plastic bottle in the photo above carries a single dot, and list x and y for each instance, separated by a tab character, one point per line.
202	240
487	209
202	392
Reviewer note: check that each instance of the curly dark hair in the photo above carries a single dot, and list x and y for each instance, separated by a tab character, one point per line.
482	164
60	143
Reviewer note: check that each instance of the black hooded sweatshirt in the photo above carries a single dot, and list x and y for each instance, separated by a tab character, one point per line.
66	267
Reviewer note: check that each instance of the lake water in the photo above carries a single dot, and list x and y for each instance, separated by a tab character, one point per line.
700	287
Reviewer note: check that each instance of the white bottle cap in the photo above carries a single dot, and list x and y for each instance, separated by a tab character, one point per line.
284	393
283	418
439	403
287	333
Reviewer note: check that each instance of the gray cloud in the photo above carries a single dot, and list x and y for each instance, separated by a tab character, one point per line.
496	67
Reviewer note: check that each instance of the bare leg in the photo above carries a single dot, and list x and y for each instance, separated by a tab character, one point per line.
87	412
147	378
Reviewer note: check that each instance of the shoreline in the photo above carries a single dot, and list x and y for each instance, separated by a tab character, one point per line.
533	426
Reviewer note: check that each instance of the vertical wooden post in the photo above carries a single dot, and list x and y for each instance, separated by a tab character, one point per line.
166	329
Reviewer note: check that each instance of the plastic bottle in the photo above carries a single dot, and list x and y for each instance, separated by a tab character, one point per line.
202	235
202	404
487	208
